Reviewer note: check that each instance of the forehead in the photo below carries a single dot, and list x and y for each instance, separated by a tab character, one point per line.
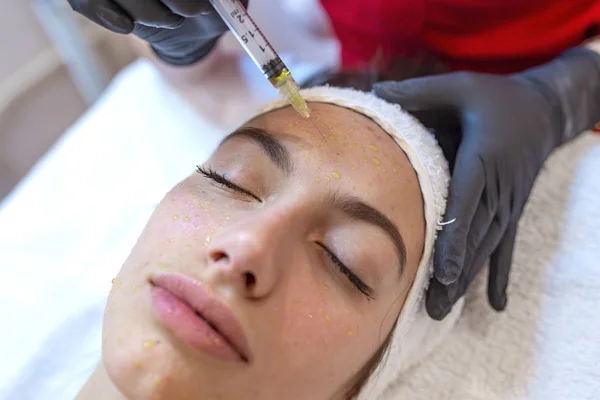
330	128
348	150
335	136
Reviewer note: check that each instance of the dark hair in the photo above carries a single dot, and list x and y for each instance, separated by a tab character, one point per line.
378	70
445	124
361	377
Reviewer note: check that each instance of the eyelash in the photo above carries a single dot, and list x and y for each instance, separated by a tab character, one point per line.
224	181
221	179
355	280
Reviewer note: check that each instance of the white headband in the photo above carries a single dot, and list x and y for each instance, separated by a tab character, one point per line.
415	334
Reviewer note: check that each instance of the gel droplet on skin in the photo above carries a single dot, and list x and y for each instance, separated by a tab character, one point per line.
157	381
349	332
148	345
163	266
327	318
207	201
134	288
119	284
376	161
113	280
187	219
318	179
327	179
175	217
335	175
372	147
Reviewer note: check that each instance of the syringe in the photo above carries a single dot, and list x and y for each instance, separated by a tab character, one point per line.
260	50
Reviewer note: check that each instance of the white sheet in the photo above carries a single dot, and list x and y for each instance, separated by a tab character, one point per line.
66	230
546	345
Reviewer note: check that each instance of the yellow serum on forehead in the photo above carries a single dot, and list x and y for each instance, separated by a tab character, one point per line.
373	147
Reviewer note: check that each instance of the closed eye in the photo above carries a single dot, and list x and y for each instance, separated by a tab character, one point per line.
354	280
224	181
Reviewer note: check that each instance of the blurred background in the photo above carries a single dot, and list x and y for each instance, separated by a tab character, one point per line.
53	65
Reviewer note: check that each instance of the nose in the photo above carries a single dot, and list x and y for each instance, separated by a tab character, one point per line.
252	256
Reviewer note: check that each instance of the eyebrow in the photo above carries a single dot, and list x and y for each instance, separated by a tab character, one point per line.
352	206
271	146
359	210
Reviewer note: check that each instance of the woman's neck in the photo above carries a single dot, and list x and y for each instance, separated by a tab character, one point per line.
100	387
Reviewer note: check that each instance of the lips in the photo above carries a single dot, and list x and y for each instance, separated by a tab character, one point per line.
198	318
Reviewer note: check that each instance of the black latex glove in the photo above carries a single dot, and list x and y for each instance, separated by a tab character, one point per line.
181	32
510	124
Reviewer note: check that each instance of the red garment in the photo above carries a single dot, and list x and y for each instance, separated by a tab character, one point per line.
497	36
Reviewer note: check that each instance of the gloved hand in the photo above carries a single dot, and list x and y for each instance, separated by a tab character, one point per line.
510	124
181	32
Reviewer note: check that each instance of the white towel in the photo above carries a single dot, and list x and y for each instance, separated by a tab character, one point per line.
546	345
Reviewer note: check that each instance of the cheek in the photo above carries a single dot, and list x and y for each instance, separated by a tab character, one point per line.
321	336
173	240
185	219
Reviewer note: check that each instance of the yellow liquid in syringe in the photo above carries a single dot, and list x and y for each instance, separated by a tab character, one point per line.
289	90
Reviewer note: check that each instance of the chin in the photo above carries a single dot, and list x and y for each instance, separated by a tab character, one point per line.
140	370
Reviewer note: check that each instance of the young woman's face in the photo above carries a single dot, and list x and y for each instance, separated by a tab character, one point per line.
274	272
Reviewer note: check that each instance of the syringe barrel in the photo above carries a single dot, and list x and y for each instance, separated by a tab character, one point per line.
250	37
260	50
